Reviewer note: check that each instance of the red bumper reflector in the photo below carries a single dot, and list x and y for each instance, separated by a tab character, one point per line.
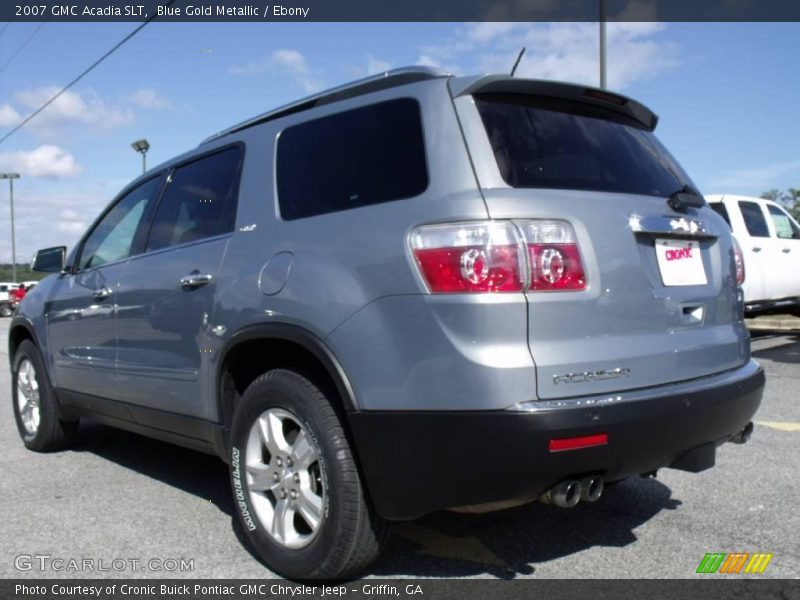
574	443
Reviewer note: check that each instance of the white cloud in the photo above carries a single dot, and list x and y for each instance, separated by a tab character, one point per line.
562	51
425	60
85	108
376	65
283	61
150	99
754	180
8	116
45	161
47	215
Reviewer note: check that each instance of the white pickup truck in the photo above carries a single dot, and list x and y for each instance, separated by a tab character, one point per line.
770	242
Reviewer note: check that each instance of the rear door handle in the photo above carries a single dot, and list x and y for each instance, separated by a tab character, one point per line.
756	249
786	250
195	280
102	293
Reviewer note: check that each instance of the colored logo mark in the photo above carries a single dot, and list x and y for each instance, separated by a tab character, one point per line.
734	562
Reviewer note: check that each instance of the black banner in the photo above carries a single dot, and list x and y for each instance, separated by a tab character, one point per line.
400	10
407	589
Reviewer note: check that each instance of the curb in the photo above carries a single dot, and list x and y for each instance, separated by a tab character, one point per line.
773	324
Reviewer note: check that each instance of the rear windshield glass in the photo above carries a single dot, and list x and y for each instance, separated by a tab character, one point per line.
548	143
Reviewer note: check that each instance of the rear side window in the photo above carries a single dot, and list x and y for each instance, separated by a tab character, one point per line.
785	228
356	158
754	219
549	143
719	208
199	201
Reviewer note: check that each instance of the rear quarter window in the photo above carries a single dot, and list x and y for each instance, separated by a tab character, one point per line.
356	158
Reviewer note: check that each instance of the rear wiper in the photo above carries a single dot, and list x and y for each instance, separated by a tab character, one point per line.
685	197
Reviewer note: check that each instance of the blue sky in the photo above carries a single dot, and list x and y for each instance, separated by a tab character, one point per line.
727	94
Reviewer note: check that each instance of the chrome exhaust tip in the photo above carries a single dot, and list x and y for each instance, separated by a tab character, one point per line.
564	495
592	488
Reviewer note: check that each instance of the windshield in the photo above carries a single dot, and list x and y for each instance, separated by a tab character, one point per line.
554	143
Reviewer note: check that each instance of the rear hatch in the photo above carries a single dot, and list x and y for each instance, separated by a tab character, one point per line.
659	303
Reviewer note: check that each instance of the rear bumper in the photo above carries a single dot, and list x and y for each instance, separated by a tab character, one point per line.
415	462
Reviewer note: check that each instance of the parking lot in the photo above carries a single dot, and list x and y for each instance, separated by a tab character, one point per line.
120	496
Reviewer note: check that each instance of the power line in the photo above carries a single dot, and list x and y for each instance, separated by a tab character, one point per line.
91	67
5	27
22	47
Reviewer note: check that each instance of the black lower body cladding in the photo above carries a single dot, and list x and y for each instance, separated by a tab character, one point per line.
418	462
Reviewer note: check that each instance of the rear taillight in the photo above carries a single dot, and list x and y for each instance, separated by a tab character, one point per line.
738	261
499	256
554	256
482	256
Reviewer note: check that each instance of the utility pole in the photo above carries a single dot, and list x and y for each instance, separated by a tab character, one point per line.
11	177
603	44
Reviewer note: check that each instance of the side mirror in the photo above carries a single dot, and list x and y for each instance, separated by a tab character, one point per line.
49	260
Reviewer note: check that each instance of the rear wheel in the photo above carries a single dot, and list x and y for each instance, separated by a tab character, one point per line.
6	310
295	483
35	409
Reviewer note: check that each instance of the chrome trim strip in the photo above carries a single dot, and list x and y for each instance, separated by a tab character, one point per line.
672	226
672	389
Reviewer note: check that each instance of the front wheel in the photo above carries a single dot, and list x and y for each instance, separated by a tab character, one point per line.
296	487
35	409
6	310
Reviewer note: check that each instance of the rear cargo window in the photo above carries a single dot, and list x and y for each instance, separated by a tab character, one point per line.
719	208
549	143
754	219
355	158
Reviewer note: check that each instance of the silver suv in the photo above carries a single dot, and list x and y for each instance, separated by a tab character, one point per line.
411	293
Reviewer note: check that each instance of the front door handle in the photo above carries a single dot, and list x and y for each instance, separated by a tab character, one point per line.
786	250
102	293
195	280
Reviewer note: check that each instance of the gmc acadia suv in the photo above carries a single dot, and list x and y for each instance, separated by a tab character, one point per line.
410	293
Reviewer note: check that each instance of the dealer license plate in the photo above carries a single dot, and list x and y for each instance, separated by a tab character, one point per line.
680	262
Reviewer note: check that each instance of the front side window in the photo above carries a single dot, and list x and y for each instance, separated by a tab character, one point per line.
754	219
356	158
112	238
199	201
785	227
554	143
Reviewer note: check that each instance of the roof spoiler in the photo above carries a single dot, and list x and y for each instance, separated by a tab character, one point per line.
467	86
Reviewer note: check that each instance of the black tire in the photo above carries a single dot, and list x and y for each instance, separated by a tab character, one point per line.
6	310
52	433
350	534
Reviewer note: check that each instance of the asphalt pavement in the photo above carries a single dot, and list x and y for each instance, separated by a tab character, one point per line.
120	497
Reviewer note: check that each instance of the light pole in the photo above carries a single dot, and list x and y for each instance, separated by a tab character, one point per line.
603	44
11	177
142	146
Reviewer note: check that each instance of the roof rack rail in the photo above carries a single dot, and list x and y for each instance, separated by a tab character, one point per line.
374	83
